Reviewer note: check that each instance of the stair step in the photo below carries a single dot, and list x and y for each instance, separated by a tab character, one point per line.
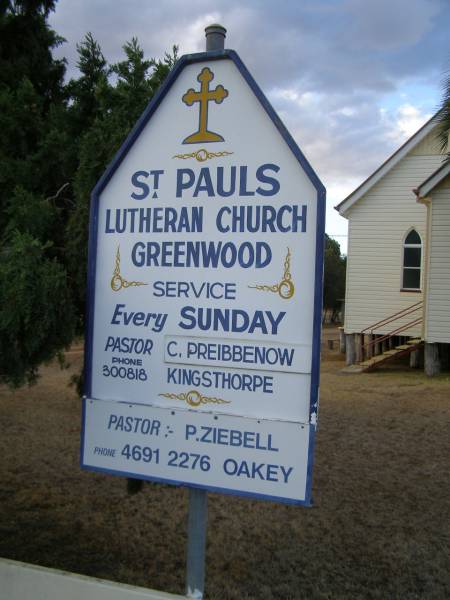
352	369
379	358
373	360
385	355
414	341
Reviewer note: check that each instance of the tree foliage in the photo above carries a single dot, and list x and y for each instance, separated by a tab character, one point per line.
334	275
57	139
35	298
36	315
444	118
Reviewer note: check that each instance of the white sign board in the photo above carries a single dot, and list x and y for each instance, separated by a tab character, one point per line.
205	283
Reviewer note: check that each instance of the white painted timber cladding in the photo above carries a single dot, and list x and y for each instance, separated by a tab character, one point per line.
378	223
438	301
430	145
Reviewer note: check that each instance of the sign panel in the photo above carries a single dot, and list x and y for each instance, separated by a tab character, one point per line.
215	451
205	279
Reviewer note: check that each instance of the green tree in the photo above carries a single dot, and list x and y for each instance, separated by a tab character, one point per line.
36	316
334	276
34	293
83	92
26	44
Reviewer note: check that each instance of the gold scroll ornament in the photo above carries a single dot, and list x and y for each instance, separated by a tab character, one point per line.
117	281
202	155
195	398
285	289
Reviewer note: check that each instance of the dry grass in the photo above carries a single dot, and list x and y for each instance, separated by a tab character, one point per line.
380	528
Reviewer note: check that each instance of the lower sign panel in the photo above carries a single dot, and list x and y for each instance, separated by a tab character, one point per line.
260	458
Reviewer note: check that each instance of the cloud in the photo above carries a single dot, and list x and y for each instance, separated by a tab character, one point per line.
330	45
408	120
351	79
389	25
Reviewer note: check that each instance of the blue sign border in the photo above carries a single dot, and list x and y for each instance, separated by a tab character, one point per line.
183	62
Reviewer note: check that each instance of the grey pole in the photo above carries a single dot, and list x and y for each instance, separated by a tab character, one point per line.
215	37
196	549
198	499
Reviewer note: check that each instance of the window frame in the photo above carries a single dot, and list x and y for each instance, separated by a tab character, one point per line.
406	245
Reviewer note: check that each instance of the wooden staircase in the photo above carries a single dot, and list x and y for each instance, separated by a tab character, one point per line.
369	359
409	346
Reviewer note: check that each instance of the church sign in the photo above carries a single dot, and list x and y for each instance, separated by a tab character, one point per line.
205	289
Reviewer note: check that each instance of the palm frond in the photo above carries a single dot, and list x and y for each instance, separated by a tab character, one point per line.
444	117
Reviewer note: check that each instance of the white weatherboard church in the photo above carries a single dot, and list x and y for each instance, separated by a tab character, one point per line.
397	297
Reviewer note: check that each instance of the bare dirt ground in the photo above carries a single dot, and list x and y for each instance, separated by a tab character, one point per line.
380	528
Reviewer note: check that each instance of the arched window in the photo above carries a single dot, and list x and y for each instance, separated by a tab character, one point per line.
412	260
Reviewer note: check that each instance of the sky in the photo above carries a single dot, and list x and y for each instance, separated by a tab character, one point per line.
351	79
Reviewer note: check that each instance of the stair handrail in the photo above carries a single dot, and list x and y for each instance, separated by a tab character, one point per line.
389	335
395	332
398	315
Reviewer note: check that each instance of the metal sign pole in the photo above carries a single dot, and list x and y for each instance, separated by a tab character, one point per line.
198	499
196	544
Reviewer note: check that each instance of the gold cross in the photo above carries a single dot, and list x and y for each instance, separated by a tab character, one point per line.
204	96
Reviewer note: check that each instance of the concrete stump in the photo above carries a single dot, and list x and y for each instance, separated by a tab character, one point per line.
342	339
350	353
377	346
414	359
370	347
358	347
432	361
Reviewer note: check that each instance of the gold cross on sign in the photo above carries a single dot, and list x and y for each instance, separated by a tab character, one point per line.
204	96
